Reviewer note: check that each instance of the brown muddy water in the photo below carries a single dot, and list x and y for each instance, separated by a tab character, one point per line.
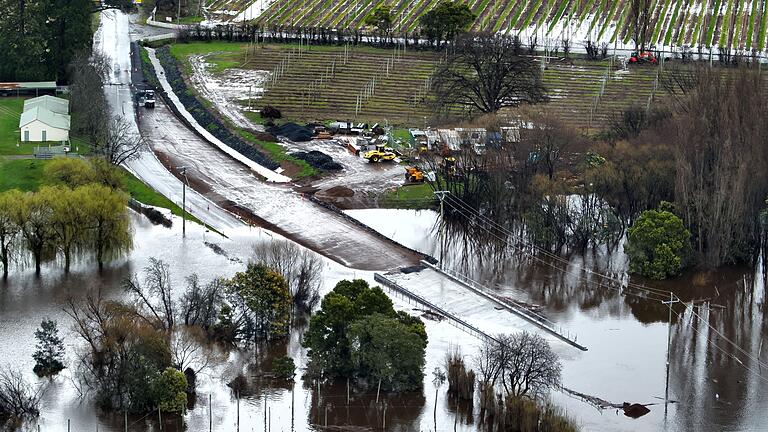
717	384
626	337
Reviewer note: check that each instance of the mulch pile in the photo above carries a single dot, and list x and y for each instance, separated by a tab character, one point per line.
318	160
293	132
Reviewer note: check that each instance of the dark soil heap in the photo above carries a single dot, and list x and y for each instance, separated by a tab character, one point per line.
293	132
318	160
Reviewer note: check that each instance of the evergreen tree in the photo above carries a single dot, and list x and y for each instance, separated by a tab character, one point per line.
50	349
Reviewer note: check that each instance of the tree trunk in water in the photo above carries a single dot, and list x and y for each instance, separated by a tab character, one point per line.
435	410
67	261
38	258
378	390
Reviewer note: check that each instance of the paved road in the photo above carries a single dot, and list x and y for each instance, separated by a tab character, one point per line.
113	39
220	181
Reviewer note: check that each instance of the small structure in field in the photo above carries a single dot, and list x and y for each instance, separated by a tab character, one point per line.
45	118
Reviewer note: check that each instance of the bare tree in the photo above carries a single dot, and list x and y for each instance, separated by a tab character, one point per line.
188	351
721	180
301	268
156	284
89	105
200	305
18	399
521	364
120	142
549	138
487	72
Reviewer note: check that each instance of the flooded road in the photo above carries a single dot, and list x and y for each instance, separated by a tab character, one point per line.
718	385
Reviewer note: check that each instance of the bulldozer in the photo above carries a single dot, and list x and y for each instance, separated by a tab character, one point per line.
381	153
414	175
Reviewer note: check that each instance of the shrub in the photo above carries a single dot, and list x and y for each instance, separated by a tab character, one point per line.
657	244
284	367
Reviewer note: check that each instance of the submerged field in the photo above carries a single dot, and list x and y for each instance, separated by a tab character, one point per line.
740	25
317	85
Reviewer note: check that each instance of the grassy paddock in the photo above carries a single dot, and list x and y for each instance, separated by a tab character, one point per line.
416	196
22	174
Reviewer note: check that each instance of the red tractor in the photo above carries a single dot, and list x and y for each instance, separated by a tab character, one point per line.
643	57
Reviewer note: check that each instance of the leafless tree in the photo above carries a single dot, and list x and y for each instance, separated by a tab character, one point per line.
156	284
522	364
188	351
89	105
120	142
721	181
200	305
549	138
18	399
487	72
301	268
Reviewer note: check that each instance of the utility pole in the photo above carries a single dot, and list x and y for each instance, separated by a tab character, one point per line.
672	299
441	196
183	171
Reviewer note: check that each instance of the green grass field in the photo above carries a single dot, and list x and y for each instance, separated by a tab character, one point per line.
10	111
414	196
22	174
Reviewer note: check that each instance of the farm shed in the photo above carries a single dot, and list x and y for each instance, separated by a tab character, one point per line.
41	124
51	103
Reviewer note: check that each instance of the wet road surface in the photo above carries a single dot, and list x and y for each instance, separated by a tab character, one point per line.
227	183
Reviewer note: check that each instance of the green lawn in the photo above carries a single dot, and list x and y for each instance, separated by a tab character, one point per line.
10	112
141	192
22	174
182	51
277	153
416	196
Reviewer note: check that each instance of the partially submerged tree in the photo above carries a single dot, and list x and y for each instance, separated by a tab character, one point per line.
488	72
18	399
658	245
154	293
107	221
49	352
301	268
10	228
358	334
262	297
521	364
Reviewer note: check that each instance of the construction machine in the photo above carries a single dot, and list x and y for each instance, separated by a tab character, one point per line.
381	153
643	57
414	175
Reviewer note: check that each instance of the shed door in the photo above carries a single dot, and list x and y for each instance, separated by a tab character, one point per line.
44	136
26	135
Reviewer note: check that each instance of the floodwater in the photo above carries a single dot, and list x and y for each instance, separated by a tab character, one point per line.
25	300
717	384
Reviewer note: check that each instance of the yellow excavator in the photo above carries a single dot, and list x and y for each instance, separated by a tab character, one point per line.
414	175
381	153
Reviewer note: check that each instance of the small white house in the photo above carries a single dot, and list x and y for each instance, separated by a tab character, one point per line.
40	124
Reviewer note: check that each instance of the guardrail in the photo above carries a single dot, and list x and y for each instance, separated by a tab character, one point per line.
458	322
538	320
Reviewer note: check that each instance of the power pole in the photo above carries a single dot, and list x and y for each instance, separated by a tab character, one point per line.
183	171
672	299
441	196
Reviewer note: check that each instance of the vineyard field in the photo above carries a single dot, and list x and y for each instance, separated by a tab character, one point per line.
739	25
584	94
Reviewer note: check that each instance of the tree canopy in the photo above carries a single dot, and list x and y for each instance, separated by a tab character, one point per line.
446	21
486	73
657	244
358	334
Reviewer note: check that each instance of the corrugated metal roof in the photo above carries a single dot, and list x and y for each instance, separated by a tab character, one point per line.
60	121
57	105
40	85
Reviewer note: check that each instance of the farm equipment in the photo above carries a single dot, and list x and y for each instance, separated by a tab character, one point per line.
414	175
449	165
381	153
644	57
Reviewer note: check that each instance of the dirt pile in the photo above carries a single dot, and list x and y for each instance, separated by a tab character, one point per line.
318	160
340	192
293	132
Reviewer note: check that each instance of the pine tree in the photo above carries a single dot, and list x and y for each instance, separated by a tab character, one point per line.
50	349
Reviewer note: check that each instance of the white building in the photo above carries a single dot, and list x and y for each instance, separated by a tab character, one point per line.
45	118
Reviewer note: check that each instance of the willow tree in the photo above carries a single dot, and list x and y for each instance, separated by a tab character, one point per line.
67	215
106	218
34	217
9	227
